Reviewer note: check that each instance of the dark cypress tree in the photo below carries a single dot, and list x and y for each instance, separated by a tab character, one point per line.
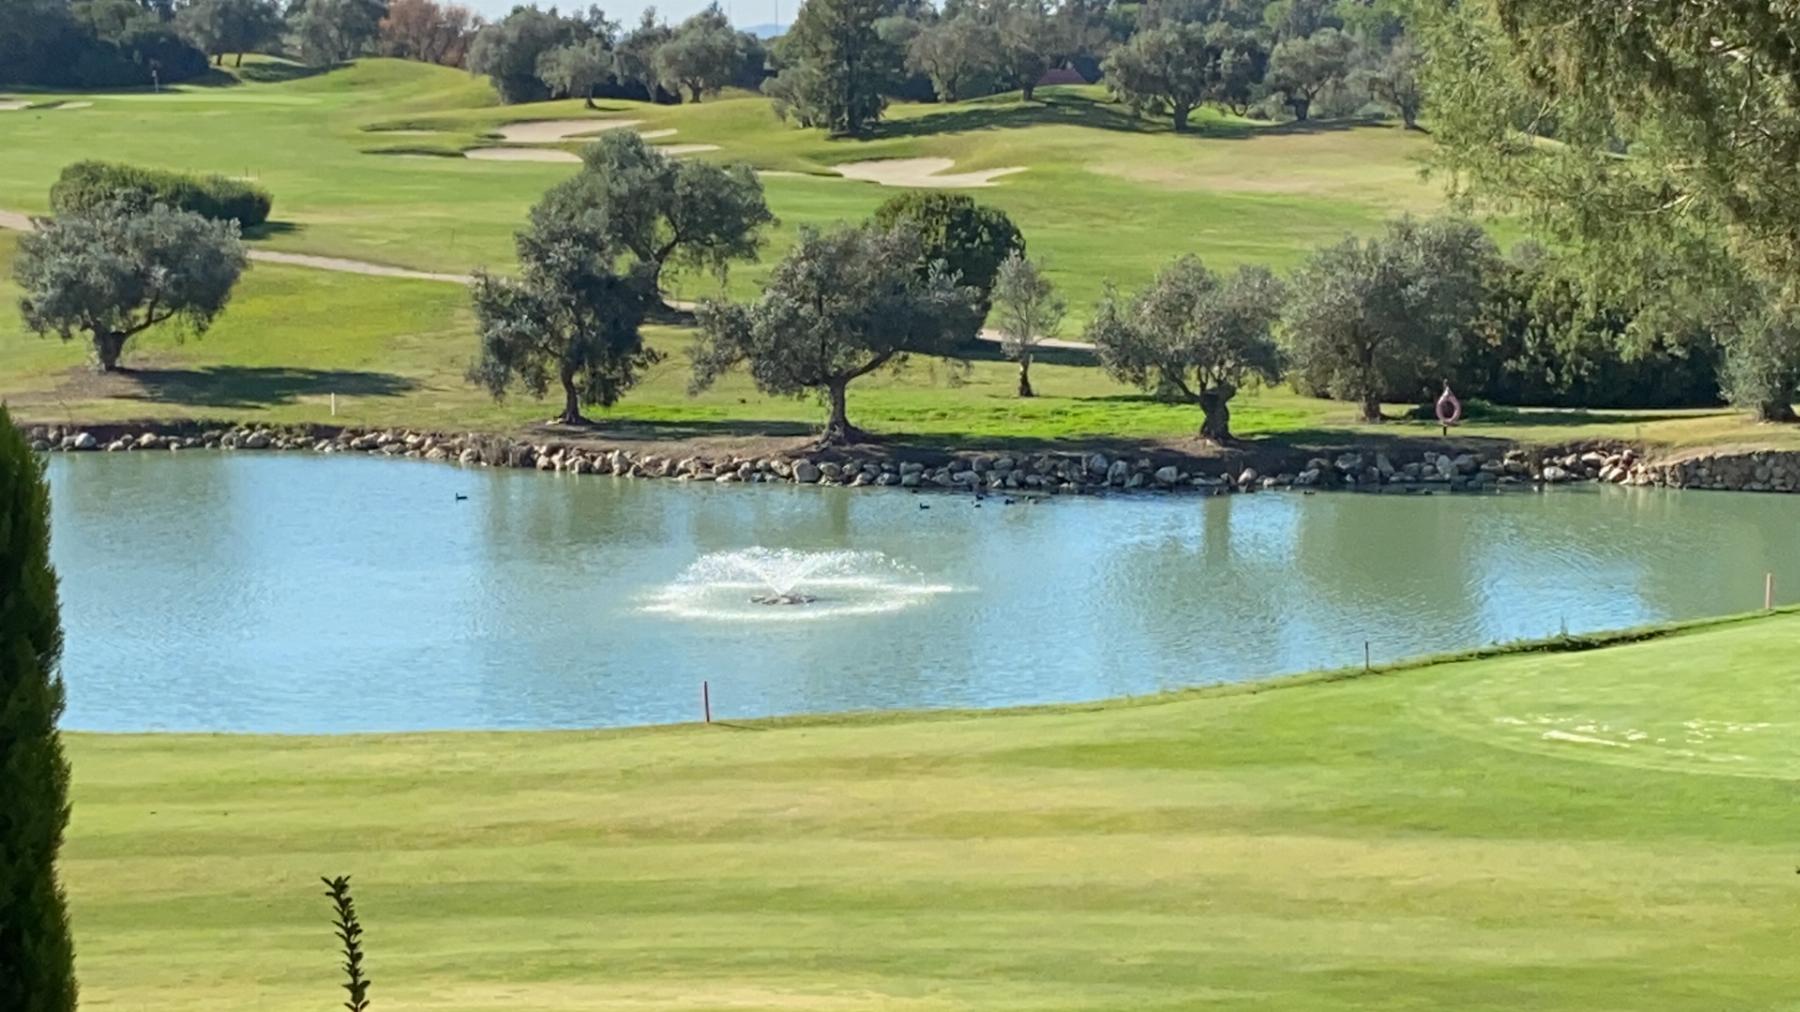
37	957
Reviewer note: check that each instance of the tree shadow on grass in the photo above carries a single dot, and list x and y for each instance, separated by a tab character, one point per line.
229	386
271	229
1082	110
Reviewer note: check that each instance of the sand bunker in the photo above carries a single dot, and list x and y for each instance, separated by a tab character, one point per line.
71	105
651	135
520	155
546	131
920	172
406	133
685	149
13	104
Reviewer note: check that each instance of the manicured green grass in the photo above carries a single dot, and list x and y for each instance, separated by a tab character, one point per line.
1412	840
1104	195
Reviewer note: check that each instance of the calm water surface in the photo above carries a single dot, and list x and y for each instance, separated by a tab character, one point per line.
304	594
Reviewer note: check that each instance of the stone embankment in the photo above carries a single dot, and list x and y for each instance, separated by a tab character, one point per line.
1055	473
1754	471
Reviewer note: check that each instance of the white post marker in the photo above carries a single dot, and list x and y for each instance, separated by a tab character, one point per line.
334	405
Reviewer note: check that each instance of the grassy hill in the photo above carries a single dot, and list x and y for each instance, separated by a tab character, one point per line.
1603	830
1103	195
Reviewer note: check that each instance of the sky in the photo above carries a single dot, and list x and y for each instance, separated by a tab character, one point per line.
744	13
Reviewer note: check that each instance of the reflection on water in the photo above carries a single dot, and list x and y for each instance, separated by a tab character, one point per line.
289	593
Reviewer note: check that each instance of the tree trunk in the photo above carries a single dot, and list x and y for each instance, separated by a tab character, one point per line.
838	429
1025	377
1301	107
1026	89
588	99
218	59
238	61
1779	410
1371	409
571	412
1409	117
107	347
1215	405
695	89
1181	117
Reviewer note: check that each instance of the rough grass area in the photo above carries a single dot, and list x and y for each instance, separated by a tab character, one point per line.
1484	834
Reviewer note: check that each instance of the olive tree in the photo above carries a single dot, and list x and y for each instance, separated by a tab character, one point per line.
1177	67
573	315
841	305
117	269
1028	310
1384	316
229	26
702	56
576	68
953	53
667	210
1301	68
1193	336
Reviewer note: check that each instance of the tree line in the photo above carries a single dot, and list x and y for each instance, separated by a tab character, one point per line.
843	60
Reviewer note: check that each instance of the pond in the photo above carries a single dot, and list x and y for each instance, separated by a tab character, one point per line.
278	593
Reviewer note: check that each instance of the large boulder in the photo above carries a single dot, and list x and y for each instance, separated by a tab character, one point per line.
805	472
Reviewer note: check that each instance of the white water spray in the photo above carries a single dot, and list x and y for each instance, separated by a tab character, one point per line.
782	584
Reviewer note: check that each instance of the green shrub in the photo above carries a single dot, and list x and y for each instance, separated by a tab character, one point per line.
85	185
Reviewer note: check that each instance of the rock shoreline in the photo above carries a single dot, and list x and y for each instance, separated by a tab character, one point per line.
1054	473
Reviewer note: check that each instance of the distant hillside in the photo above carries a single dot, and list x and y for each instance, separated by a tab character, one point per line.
766	30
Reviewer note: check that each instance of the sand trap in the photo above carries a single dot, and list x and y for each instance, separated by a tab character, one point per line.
920	172
406	133
651	135
13	104
520	155
71	105
16	222
545	131
685	149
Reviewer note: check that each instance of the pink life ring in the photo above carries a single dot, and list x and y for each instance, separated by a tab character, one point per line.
1449	409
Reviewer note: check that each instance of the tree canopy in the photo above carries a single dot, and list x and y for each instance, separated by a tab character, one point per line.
576	68
1028	310
114	271
1382	317
837	66
574	315
841	305
1193	336
332	31
702	56
1178	67
970	239
1302	67
665	210
953	52
1656	141
230	26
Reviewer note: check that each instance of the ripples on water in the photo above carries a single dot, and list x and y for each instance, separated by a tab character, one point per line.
290	593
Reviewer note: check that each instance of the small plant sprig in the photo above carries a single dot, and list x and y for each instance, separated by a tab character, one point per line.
349	932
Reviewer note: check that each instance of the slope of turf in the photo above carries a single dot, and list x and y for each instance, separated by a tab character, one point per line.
1104	195
1606	830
